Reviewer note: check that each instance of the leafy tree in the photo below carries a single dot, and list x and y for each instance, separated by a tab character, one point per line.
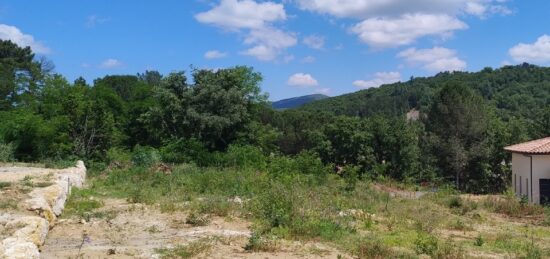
347	142
19	75
213	110
458	122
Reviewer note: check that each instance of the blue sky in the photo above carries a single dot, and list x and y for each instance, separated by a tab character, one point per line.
300	46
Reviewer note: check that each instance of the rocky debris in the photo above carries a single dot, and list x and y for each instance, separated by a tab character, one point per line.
28	233
49	201
356	213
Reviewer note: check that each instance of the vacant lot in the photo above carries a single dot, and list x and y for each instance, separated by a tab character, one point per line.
186	211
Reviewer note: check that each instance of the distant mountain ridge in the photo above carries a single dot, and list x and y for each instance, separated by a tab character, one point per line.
296	102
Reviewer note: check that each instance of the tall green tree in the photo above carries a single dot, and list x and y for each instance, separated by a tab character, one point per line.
457	124
19	75
213	110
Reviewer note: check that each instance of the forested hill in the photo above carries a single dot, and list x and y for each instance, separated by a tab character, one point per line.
521	91
297	101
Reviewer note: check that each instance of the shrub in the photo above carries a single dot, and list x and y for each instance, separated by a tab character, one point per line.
7	152
455	202
479	241
449	250
196	219
118	157
371	248
259	243
244	157
145	156
511	206
425	244
187	251
185	151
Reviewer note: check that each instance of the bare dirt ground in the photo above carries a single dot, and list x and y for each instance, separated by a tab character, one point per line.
138	231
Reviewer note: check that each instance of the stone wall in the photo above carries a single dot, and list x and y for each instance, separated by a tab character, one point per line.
28	233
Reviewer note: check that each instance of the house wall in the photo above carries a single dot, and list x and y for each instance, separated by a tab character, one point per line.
541	170
521	170
521	174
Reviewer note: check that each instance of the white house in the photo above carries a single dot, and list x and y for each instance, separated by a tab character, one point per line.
531	170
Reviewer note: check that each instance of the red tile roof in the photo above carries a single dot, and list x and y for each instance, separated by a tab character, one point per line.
539	146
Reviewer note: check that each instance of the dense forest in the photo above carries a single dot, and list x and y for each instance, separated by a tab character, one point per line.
222	118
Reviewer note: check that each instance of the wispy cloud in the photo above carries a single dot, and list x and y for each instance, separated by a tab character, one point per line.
94	20
111	63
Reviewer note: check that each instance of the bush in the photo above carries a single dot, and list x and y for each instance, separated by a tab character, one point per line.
145	156
244	157
511	206
7	152
372	248
425	244
479	241
455	202
118	155
259	243
185	151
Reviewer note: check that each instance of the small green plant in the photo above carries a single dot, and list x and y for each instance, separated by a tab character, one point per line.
4	185
145	156
455	202
371	248
8	204
81	204
259	243
186	251
27	181
449	250
196	219
7	152
479	241
426	244
153	229
460	225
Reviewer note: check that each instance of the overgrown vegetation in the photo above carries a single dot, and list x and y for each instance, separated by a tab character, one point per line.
211	145
465	121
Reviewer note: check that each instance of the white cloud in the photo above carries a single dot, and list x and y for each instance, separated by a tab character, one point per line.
391	23
537	52
308	59
110	63
93	20
288	58
436	59
302	80
379	79
239	14
214	54
13	33
314	42
386	8
268	43
393	32
256	19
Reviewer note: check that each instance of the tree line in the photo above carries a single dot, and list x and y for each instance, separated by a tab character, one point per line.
457	139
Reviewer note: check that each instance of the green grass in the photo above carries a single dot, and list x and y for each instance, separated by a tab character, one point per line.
4	185
295	206
186	251
81	203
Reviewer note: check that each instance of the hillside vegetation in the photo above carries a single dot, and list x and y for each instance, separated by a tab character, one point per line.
296	102
515	93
